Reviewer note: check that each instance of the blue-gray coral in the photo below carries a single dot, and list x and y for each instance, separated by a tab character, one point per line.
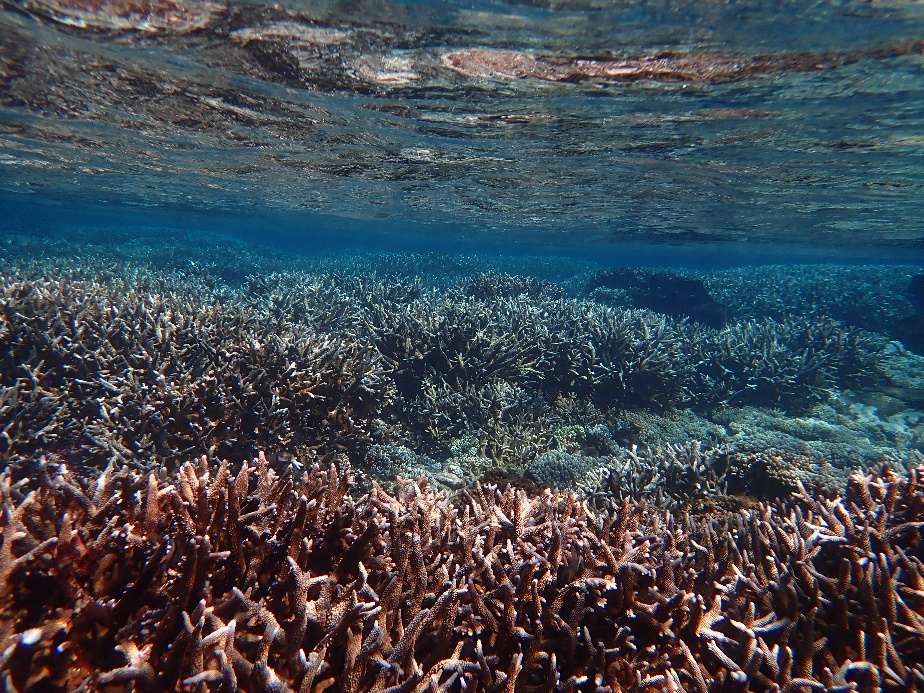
112	371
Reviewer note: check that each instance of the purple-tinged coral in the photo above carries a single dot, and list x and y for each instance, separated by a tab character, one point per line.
211	579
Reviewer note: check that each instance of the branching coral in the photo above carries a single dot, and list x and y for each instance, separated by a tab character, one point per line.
768	363
460	342
491	286
334	303
136	374
142	364
620	358
510	423
212	580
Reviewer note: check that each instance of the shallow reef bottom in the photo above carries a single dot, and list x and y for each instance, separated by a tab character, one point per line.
213	578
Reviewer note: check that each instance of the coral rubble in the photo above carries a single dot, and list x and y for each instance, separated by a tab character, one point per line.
214	579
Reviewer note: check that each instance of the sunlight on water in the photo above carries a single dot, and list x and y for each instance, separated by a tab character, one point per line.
698	121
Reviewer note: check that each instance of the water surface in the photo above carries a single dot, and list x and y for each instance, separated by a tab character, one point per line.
794	122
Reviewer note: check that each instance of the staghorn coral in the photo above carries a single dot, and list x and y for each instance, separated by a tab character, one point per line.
106	370
210	580
328	302
562	470
792	363
873	297
496	364
562	346
667	476
620	358
461	341
509	423
490	285
457	361
490	367
697	475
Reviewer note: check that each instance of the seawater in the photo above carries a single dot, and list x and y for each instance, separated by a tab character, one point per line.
565	345
767	156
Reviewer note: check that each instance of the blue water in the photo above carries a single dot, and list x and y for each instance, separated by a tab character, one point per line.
797	123
771	156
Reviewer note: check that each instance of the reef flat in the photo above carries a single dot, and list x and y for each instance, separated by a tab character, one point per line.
226	467
456	366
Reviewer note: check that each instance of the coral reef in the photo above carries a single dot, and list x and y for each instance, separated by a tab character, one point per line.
491	286
670	475
208	580
690	474
916	289
385	356
910	327
873	297
563	470
509	423
124	370
791	363
822	433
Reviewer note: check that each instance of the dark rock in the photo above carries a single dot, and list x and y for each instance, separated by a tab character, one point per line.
626	435
917	291
664	292
910	332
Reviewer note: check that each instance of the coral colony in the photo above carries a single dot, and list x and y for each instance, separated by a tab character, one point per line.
336	480
206	579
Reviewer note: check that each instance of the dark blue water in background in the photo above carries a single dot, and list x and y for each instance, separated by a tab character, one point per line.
306	234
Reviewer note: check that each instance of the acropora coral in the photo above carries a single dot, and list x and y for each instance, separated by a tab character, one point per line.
211	578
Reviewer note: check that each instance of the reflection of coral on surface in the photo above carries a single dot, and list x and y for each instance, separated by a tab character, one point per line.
258	581
146	15
490	63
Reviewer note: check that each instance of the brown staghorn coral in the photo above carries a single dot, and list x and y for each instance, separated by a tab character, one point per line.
209	580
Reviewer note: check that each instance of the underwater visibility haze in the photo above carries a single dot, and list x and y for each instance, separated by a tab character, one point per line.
516	346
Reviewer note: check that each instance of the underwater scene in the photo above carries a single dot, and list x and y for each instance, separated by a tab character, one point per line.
501	346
